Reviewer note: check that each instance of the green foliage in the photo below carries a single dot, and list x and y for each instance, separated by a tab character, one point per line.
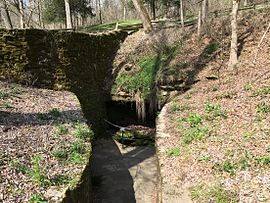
262	92
83	131
61	129
42	116
198	132
6	105
214	193
173	151
214	110
37	172
112	25
77	147
54	10
263	109
142	80
229	167
218	194
60	153
263	160
176	108
204	158
193	119
211	48
37	198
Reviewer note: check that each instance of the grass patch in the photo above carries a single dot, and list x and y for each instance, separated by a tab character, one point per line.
263	160
61	129
60	180
213	111
263	109
211	48
60	153
37	172
83	131
112	25
262	92
37	198
19	167
173	151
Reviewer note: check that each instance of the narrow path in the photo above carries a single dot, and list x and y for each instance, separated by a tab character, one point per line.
124	174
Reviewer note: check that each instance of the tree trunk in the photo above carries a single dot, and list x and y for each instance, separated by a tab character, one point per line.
68	15
234	48
199	31
21	13
204	11
182	13
246	3
5	14
100	12
144	15
40	15
153	8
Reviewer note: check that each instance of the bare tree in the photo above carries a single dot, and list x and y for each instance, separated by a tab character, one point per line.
234	48
199	29
204	11
5	14
182	13
144	15
21	13
68	15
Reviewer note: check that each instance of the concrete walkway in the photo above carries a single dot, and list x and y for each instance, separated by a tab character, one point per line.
124	174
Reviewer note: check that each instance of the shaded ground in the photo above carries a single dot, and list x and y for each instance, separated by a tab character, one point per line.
41	153
124	174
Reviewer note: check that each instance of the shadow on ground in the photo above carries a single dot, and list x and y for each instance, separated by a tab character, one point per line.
123	174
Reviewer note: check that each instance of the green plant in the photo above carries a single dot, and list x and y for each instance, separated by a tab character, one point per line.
219	195
173	151
229	167
83	131
193	119
262	92
60	153
214	110
268	149
37	171
204	158
6	105
211	48
263	109
61	129
55	113
249	135
197	192
248	87
263	160
77	147
37	198
198	132
175	107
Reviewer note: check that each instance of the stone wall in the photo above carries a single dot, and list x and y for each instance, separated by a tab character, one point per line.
77	62
62	60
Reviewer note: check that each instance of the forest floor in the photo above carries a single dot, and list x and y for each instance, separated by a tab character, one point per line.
218	146
43	143
219	135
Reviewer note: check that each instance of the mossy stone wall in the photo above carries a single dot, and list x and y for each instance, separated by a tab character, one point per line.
62	60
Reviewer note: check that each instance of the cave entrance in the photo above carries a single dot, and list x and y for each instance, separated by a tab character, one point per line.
126	127
124	113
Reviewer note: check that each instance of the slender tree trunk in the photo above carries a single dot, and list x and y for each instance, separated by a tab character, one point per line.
204	11
68	15
5	14
182	13
21	13
234	42
245	2
40	15
144	15
153	8
199	31
100	12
